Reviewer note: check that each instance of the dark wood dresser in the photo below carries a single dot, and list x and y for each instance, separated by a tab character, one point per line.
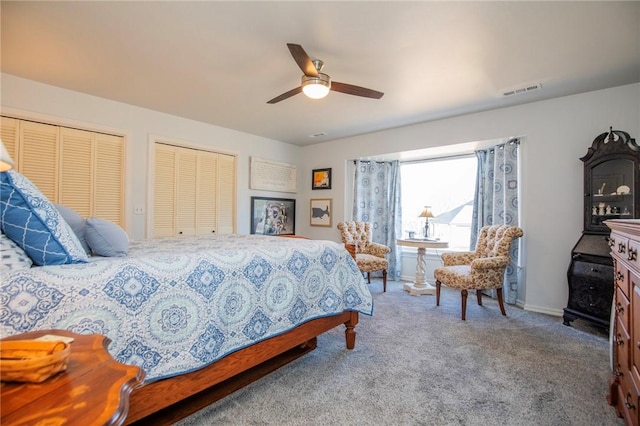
624	391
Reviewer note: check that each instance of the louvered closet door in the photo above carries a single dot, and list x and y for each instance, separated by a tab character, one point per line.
164	191
109	178
186	191
80	169
39	156
226	194
9	134
206	210
76	180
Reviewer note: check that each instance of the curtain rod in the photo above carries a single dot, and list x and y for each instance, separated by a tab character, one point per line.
511	141
370	161
444	157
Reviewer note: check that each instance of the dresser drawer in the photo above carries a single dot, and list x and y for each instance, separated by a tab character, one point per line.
591	295
594	271
635	329
633	251
628	399
623	308
622	343
621	277
619	245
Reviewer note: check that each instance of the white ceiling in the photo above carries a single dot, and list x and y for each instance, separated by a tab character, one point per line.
220	62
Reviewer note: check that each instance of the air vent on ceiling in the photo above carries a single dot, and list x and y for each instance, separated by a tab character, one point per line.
527	89
317	135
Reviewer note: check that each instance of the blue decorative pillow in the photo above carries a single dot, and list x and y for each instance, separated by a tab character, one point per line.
106	238
77	224
32	222
12	257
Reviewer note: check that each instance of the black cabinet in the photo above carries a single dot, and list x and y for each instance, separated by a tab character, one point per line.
590	277
611	191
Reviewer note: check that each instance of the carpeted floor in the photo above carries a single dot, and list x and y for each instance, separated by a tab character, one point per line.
418	364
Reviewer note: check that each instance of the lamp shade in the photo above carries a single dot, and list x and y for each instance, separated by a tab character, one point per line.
316	87
6	163
426	212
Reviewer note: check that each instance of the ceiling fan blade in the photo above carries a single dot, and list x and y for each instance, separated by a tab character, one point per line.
350	89
285	95
303	60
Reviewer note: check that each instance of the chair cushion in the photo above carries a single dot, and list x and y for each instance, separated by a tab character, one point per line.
369	263
458	276
34	224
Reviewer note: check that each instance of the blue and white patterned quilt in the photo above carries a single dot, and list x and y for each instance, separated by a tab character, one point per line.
175	305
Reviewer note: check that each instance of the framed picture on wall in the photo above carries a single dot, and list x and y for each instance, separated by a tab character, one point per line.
321	212
321	179
273	216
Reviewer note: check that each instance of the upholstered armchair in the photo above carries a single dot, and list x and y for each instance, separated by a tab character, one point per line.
481	269
369	256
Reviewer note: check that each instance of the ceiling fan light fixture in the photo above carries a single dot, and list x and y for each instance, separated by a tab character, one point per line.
316	87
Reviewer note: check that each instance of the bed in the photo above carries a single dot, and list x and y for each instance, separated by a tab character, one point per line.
203	316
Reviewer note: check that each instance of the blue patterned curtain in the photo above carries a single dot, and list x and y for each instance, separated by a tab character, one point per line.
496	202
376	199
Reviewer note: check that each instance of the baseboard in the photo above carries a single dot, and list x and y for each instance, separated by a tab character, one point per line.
543	310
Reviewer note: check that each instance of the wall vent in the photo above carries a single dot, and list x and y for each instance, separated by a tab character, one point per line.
519	91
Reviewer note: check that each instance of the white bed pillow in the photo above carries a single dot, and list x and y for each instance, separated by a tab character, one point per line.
12	257
106	238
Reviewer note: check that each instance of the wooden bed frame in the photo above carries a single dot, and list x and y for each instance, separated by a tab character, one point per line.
169	400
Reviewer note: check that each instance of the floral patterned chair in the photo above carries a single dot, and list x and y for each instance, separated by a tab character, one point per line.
481	269
369	256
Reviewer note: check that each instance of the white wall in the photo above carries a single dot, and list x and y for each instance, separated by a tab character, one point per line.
554	134
34	100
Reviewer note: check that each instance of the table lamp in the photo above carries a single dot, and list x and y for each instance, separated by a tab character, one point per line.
6	163
426	213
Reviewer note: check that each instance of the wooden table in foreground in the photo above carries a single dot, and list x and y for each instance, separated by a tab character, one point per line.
93	390
421	286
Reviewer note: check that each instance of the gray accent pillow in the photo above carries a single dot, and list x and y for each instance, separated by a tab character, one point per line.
106	238
77	224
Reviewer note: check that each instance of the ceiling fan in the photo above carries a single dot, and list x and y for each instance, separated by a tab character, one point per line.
316	84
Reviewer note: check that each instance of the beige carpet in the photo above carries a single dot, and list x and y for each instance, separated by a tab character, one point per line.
418	364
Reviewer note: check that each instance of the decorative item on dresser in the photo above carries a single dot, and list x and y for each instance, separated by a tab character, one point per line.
611	191
624	391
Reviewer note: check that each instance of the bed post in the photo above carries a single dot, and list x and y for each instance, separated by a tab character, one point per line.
350	332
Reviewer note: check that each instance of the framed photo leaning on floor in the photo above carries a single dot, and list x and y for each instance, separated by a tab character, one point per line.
273	216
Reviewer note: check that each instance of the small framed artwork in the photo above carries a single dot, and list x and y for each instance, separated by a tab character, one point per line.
273	216
321	212
321	179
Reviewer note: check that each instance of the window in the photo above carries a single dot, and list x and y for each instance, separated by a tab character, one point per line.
448	186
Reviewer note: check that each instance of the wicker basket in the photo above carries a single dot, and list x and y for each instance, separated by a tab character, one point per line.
32	360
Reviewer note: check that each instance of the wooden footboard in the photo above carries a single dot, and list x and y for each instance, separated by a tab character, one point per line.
169	400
